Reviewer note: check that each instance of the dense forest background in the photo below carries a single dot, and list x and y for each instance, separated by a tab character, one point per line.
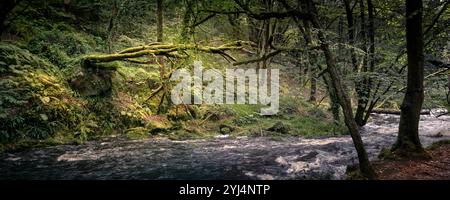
63	80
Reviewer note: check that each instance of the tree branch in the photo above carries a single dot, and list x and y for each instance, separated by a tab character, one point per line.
260	59
204	20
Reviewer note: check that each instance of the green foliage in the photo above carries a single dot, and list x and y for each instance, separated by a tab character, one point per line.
137	133
60	46
35	101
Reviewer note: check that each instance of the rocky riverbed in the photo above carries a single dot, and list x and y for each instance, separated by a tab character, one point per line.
219	158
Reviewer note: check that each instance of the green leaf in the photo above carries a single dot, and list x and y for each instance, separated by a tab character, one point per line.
44	117
45	99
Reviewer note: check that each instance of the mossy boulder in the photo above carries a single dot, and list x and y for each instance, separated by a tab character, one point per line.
226	129
279	127
92	81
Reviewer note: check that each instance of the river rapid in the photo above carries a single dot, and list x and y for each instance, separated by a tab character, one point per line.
218	158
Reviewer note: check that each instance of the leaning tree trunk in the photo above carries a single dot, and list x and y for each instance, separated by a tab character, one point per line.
337	84
334	103
408	142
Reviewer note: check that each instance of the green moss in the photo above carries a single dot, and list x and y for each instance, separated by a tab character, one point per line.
106	66
397	154
137	133
385	153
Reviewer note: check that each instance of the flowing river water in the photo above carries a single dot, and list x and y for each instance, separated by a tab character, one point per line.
219	158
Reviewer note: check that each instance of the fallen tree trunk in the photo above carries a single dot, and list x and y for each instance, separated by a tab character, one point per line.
168	50
158	50
395	112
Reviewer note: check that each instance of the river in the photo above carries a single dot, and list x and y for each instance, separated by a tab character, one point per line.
219	158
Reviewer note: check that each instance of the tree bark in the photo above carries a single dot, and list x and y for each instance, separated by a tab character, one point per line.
336	82
408	142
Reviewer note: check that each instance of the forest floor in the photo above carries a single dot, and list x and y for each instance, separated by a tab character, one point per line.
437	168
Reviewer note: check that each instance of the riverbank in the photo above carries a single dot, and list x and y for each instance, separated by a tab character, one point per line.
436	168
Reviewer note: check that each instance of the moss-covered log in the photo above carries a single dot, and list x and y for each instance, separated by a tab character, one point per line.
167	50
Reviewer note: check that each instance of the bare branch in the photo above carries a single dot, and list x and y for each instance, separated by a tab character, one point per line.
204	20
260	59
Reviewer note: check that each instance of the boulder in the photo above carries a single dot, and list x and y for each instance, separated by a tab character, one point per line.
92	82
225	129
279	127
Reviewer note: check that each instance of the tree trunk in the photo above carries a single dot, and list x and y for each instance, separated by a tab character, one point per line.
110	31
266	34
408	142
396	112
334	103
312	61
448	92
159	18
362	89
351	40
371	34
351	33
186	29
159	38
313	81
344	100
